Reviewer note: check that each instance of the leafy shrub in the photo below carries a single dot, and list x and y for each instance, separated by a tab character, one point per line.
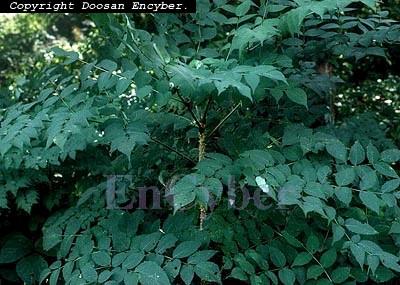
24	43
205	107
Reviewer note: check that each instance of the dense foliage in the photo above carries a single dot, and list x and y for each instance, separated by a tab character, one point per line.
236	100
24	43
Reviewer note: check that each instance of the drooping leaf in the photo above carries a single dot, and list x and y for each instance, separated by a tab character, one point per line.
187	274
358	253
357	154
297	95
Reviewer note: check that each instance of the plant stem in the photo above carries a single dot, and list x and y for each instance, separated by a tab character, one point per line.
173	150
190	109
202	152
224	119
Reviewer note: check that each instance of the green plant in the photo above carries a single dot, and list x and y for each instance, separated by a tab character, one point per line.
24	44
228	98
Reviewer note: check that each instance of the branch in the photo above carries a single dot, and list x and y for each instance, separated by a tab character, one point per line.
204	117
173	150
224	119
190	109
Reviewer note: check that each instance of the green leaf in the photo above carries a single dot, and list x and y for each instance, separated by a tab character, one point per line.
323	172
340	274
101	258
126	138
291	239
395	228
359	228
244	264
185	249
287	276
252	80
119	258
54	277
383	274
105	81
313	243
184	190
338	232
297	95
89	272
358	253
104	276
328	258
208	271
277	257
277	94
45	275
108	65
385	169
368	180
337	149
144	91
238	273
294	18
172	268
314	271
344	194
133	259
150	273
122	85
274	75
345	176
390	185
373	262
357	154
370	200
69	90
70	56
390	155
15	247
370	3
131	278
187	274
165	243
148	242
67	270
372	153
302	258
26	199
243	8
244	90
29	268
257	258
390	261
201	256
